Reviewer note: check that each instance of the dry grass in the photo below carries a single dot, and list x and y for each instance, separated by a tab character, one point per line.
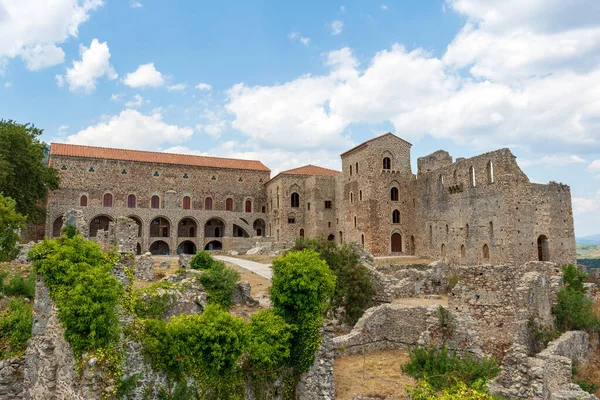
15	269
259	258
159	273
590	370
257	282
422	301
401	261
376	374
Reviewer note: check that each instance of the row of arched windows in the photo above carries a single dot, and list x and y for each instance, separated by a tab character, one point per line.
107	201
472	177
485	251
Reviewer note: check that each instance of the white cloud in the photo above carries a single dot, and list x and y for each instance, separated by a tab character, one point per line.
145	75
94	64
342	9
551	161
7	84
135	4
587	214
594	168
203	86
117	96
296	36
213	123
384	7
137	101
337	27
33	29
133	130
176	87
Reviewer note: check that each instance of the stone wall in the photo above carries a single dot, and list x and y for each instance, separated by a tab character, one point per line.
11	378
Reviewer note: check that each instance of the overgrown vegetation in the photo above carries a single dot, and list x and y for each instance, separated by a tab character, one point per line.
151	301
10	223
353	290
78	275
219	282
202	260
15	327
460	391
539	335
442	369
574	309
17	285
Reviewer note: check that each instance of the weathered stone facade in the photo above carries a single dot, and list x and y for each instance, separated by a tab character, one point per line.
481	210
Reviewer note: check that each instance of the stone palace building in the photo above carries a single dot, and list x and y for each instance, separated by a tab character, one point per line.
480	210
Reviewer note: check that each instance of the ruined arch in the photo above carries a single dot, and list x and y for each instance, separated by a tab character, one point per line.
160	247
160	227
238	231
543	250
138	221
331	237
99	223
57	226
186	247
187	227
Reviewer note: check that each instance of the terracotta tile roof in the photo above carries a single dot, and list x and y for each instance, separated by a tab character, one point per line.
72	150
370	140
310	170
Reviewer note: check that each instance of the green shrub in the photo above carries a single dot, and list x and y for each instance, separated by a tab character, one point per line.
443	369
10	223
202	260
459	391
18	286
15	328
78	275
269	341
574	310
219	282
301	287
149	303
353	291
589	387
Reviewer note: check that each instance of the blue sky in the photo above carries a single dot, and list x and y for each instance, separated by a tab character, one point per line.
292	83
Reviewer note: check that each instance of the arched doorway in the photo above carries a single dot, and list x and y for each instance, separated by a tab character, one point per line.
301	232
138	249
486	252
159	248
187	227
443	252
160	227
214	245
412	245
57	226
396	242
331	237
99	223
138	221
259	227
186	247
214	227
542	245
239	231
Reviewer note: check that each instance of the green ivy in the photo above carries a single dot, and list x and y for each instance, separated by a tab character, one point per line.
269	342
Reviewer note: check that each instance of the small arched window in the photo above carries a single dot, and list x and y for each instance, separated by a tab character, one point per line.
131	201
187	202
351	197
248	206
295	200
395	217
490	172
443	250
351	170
360	195
301	232
356	169
463	251
486	252
208	203
362	239
263	209
394	194
83	201
472	174
387	163
355	221
229	204
155	202
107	200
491	228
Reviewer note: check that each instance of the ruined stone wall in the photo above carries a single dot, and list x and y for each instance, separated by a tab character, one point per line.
11	378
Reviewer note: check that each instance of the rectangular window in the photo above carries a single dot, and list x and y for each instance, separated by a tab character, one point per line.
327	203
309	206
291	220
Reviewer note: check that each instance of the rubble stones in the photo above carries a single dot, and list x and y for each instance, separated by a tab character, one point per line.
242	294
144	268
185	260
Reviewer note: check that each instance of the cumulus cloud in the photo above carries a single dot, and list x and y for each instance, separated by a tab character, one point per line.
551	161
203	86
94	64
594	168
587	214
296	36
33	29
133	130
145	75
176	87
135	4
137	101
337	27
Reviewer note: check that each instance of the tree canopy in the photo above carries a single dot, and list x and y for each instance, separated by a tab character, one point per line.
23	175
10	223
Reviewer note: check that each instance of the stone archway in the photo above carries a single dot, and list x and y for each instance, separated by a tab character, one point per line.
160	227
396	242
138	221
57	226
238	231
99	223
159	248
186	247
214	245
214	227
259	227
187	227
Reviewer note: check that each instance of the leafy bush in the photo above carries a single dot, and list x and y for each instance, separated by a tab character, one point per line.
10	223
353	290
574	310
443	369
15	328
149	303
78	275
18	286
219	282
301	287
269	339
202	260
460	391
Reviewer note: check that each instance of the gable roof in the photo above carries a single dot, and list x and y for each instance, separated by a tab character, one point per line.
370	140
308	170
73	150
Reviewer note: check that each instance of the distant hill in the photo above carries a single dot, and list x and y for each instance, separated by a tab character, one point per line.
592	239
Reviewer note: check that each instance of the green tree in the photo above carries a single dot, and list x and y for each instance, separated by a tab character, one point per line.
23	175
10	223
219	282
574	310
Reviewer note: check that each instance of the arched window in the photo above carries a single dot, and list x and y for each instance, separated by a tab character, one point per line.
301	232
447	229
131	201
490	172
263	209
355	221
360	195
351	197
394	194
362	238
155	202
83	201
187	202
443	252
486	252
351	170
356	169
472	174
491	229
387	163
396	217
107	201
295	200
208	203
248	206
229	204
463	251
